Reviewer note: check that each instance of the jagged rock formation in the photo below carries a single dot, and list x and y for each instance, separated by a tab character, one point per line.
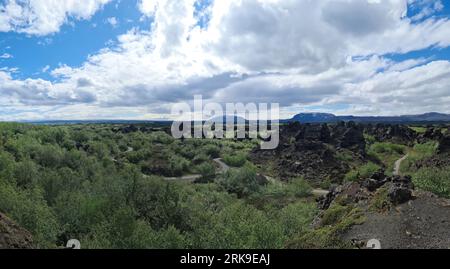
399	134
430	134
310	151
444	143
442	158
12	236
400	190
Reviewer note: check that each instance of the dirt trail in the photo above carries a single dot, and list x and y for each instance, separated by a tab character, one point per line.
223	168
398	164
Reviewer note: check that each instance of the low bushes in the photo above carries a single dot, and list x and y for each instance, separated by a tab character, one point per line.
242	182
387	148
235	160
362	172
434	180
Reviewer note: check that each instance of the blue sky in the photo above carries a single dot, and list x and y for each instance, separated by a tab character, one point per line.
136	58
74	43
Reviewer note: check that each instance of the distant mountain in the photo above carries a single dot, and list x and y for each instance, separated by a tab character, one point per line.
432	117
315	117
229	119
330	118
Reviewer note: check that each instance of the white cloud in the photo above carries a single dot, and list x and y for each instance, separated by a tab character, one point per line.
6	56
148	7
112	21
298	53
43	17
45	69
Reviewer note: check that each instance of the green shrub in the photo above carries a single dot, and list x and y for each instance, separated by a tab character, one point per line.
426	150
208	172
418	153
300	188
200	158
387	148
242	182
336	220
418	129
178	165
240	226
297	218
212	150
380	202
344	156
435	180
6	166
362	172
236	160
370	139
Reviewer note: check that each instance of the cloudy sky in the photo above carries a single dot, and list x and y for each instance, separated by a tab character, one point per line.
133	59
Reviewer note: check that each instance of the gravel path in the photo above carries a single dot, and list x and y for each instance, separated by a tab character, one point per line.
398	164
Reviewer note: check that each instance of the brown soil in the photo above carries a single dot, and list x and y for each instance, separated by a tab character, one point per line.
12	236
422	223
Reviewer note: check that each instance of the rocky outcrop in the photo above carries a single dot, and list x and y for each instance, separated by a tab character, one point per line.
349	135
430	134
400	190
351	192
395	133
310	151
442	158
444	144
12	236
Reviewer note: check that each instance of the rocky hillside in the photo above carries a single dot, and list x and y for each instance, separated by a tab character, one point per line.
317	152
12	236
330	118
390	210
442	158
394	133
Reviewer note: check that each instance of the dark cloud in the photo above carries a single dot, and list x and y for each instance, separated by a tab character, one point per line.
358	18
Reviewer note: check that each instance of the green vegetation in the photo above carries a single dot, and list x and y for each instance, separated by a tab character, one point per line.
236	160
276	195
436	180
242	182
370	140
345	156
379	148
417	153
418	129
207	171
336	220
380	202
110	190
362	172
387	153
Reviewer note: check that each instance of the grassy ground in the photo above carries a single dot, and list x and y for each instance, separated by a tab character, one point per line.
387	153
417	153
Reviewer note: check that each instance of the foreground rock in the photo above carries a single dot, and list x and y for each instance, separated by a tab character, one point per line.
400	190
422	223
12	236
403	218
